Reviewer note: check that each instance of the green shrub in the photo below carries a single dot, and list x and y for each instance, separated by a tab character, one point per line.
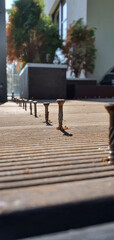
80	48
31	36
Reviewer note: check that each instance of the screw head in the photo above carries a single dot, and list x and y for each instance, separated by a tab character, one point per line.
60	101
109	107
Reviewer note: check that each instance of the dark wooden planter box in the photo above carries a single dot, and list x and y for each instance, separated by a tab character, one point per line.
88	89
43	81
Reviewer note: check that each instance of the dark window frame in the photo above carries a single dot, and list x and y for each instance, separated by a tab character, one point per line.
58	18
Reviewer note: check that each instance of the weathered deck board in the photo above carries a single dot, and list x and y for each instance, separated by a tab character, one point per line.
41	167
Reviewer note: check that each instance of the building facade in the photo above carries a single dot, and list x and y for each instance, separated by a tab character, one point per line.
95	13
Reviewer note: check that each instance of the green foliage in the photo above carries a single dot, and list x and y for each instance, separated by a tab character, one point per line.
50	39
24	17
34	35
80	48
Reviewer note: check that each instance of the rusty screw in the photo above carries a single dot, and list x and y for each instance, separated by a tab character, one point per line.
35	108
60	113
25	101
15	99
110	109
46	104
30	101
12	96
20	102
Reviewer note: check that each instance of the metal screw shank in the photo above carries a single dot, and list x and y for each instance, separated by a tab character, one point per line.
110	109
30	101
35	108
12	96
25	100
46	104
20	102
60	112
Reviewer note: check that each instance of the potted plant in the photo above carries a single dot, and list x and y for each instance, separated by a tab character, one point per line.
80	48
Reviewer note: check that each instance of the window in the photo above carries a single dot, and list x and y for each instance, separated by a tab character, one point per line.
63	19
55	16
60	17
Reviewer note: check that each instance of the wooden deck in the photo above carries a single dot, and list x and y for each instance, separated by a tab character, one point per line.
54	180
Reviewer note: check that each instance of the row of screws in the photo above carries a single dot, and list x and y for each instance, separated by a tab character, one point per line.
23	103
109	108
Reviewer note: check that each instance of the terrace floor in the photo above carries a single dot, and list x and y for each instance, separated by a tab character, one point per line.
53	180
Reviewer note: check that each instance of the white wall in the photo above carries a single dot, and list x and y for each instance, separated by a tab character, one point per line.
76	9
50	5
101	16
